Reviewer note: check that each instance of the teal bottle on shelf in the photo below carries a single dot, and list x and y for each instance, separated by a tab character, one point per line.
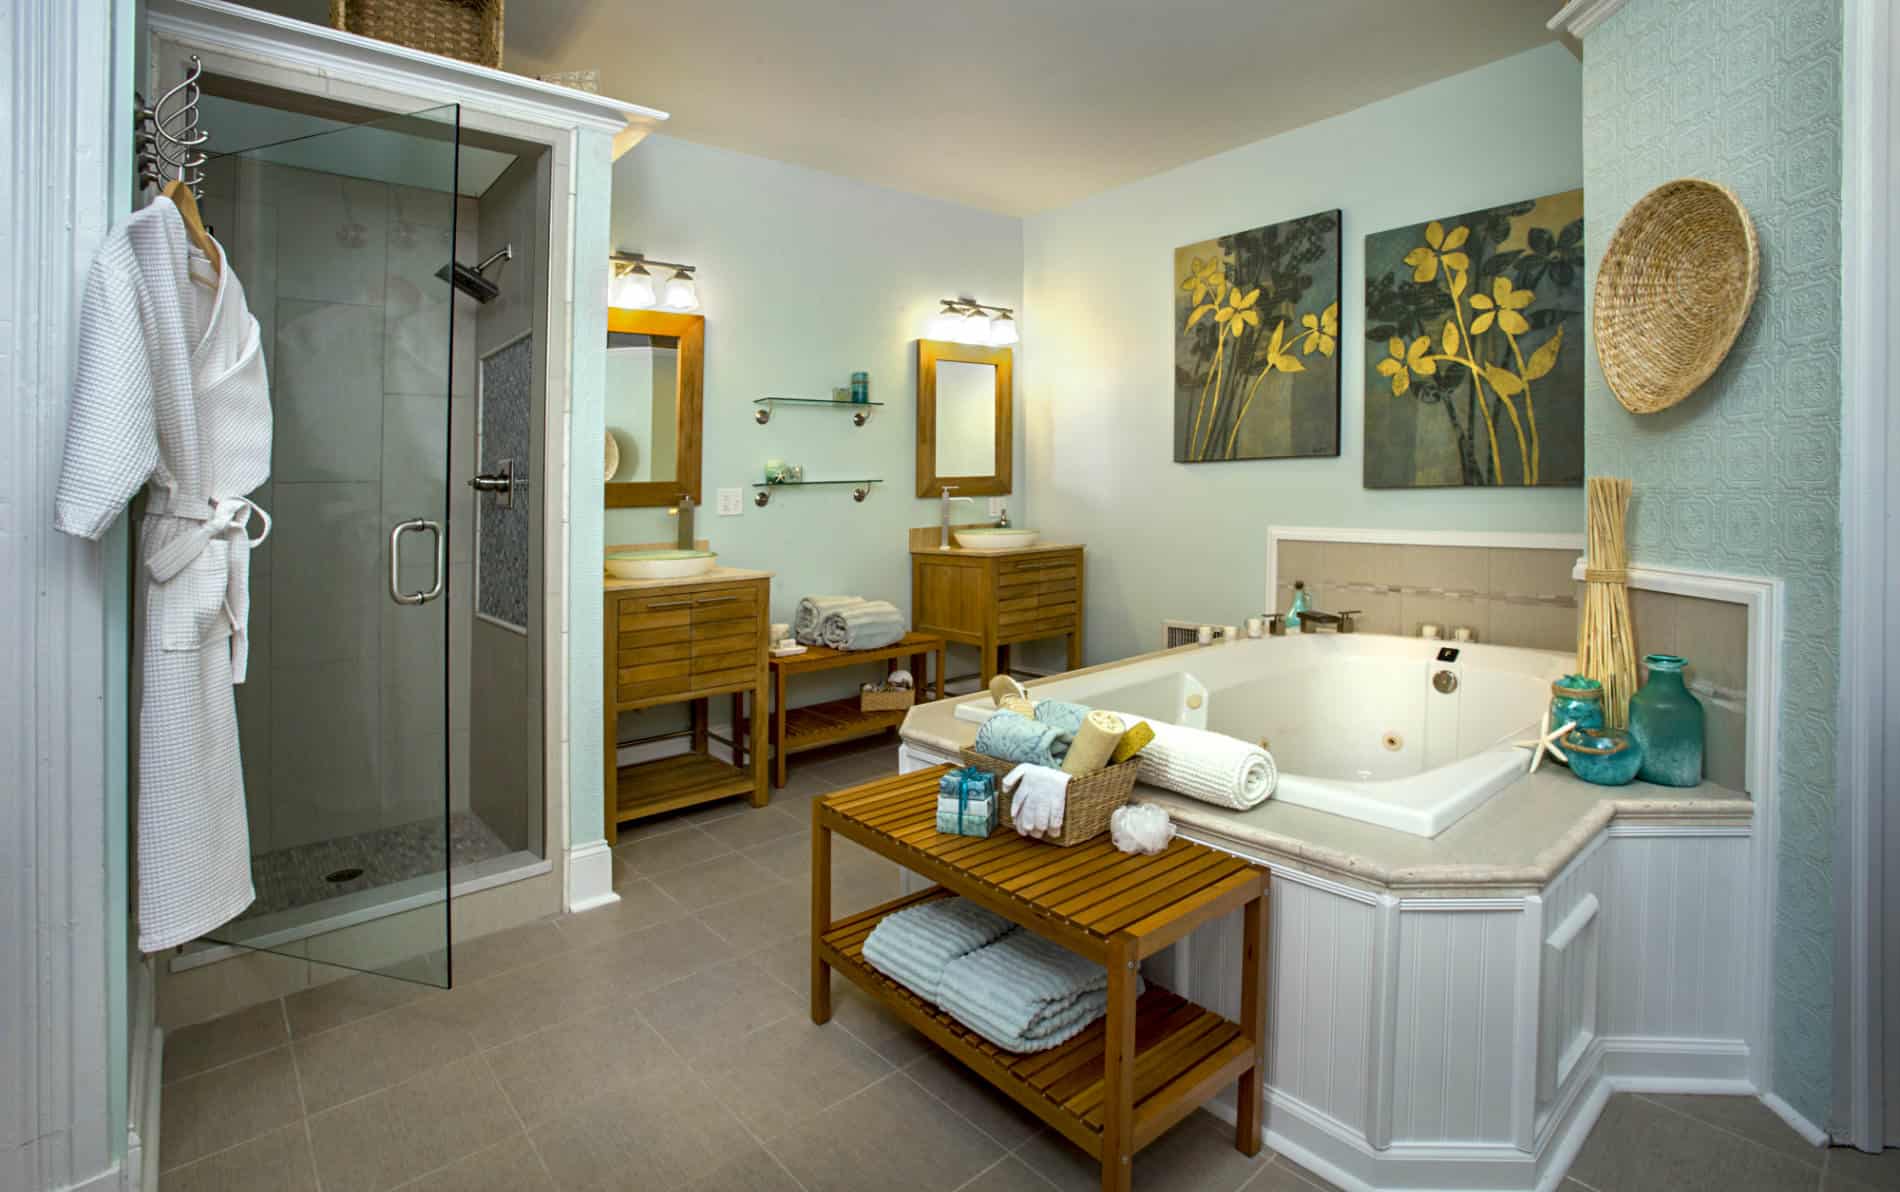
1666	721
1301	603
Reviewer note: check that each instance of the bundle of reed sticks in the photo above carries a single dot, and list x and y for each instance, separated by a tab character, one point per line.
1606	643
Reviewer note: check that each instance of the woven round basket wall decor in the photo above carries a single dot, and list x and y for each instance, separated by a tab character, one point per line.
1672	292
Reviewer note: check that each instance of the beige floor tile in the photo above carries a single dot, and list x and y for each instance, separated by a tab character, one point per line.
565	986
1008	1174
511	1166
872	1024
851	893
503	951
788	858
351	1061
658	1135
1746	1117
411	1129
648	856
1282	1175
358	995
718	880
278	1160
788	960
696	1014
758	825
974	1098
554	1071
780	1077
754	921
804	783
754	1171
194	1049
641	906
641	960
203	1114
1849	1170
1636	1144
891	1135
860	768
1198	1155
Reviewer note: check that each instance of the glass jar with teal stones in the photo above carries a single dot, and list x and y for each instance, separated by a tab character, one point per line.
1577	700
1666	721
1605	756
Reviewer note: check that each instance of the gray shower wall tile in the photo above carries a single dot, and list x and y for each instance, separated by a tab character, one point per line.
417	311
325	587
332	238
326	751
327	392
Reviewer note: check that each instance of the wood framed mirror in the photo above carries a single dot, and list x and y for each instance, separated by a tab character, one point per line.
963	419
656	363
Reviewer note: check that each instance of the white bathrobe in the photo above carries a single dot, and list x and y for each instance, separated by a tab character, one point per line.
170	393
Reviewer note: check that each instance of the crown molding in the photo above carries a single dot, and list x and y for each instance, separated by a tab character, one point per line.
1578	17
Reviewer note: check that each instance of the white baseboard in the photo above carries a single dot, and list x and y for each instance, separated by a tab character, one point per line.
590	876
1796	1122
146	1069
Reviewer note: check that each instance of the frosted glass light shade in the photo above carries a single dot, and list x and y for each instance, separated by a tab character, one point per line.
681	293
633	288
1002	331
946	324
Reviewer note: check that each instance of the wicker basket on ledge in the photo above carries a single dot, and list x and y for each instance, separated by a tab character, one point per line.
466	29
1092	797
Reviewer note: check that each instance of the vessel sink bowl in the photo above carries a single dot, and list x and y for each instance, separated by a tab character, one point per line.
660	564
991	538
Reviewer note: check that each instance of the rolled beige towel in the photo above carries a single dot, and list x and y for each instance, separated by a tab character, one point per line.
1094	743
1019	705
1003	687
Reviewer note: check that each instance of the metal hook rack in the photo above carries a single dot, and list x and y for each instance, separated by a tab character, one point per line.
166	137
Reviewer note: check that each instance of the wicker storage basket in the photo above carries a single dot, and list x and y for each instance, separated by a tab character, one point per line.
465	29
895	700
1092	798
1672	292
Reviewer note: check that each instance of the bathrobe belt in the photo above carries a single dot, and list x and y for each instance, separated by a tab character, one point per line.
226	519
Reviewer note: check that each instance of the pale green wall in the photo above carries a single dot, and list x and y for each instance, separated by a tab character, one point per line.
593	186
1098	392
1744	475
804	278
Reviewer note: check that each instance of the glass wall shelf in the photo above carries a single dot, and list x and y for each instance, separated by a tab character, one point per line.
763	414
762	494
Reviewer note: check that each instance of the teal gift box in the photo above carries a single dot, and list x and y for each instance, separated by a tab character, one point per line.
966	802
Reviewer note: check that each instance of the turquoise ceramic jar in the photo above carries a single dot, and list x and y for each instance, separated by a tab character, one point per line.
1605	756
1578	700
1666	722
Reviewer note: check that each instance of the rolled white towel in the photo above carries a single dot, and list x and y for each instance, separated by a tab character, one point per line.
1212	767
812	611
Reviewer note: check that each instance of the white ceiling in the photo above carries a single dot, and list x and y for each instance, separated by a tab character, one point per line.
1013	105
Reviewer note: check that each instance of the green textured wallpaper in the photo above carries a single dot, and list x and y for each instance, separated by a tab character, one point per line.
1744	476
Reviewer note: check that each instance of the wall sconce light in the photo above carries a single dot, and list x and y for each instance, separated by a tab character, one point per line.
964	320
633	287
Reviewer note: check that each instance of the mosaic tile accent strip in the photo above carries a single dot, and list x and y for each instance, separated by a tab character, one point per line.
505	408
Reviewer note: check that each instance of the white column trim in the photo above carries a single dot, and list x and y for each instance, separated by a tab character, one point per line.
1578	17
590	876
1867	392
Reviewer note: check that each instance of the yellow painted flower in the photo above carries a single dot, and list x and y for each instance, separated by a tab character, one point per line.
1501	306
1204	276
1322	331
1439	248
1239	311
1278	358
1402	361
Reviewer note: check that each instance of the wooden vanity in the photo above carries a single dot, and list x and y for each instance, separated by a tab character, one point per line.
671	641
992	599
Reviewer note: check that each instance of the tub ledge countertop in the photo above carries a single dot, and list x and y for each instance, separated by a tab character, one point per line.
1516	841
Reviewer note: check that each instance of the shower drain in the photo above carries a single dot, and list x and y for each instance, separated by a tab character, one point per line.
344	875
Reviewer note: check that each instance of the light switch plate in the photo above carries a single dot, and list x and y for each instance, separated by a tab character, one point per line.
729	503
996	506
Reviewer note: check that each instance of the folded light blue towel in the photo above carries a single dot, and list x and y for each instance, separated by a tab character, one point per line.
1017	738
1065	716
867	625
1024	993
913	946
814	609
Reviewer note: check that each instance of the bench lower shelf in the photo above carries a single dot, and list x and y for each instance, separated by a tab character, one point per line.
1184	1052
670	783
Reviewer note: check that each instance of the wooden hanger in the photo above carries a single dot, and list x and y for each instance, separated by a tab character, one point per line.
187	204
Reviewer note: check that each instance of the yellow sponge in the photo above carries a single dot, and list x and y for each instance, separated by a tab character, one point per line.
1133	741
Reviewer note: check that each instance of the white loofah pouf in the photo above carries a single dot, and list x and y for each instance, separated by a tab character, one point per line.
1140	828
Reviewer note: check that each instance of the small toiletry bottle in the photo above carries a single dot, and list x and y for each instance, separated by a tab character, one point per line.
1301	603
774	470
860	387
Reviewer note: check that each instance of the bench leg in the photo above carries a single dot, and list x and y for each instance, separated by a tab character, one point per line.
1253	1023
820	915
1118	1071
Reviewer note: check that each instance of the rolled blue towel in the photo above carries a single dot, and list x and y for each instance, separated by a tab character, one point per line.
868	625
1024	993
913	946
1017	738
1065	716
812	610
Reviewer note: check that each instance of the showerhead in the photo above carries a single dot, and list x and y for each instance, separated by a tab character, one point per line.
471	281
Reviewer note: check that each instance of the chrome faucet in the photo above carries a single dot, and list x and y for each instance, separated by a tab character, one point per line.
1312	620
685	512
943	536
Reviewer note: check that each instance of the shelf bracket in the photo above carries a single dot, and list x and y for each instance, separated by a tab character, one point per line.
762	497
860	492
762	415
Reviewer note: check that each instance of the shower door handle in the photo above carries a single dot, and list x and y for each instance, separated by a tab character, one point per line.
395	561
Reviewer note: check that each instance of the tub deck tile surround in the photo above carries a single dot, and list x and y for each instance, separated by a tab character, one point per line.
1518	840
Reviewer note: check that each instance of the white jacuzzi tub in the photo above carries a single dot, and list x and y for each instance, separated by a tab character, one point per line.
1354	721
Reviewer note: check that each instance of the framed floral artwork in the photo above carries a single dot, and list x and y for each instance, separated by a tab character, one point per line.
1474	352
1256	344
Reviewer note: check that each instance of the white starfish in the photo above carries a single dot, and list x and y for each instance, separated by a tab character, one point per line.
1546	741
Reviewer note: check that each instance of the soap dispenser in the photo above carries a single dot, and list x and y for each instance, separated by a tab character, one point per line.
1301	603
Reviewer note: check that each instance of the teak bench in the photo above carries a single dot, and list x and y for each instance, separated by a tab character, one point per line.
1149	1062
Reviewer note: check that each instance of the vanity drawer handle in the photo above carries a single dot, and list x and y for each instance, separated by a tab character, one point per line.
716	600
657	605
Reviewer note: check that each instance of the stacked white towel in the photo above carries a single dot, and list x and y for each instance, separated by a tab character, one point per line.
813	610
1024	993
1212	767
915	945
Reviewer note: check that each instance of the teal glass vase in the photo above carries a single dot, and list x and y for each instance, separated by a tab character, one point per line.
1666	722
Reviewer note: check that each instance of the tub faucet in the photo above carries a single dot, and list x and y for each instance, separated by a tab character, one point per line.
943	533
1343	622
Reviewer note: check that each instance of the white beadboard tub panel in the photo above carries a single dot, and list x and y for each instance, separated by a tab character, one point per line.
1454	1075
1570	963
1677	945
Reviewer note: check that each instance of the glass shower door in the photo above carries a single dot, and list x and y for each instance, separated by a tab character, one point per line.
344	240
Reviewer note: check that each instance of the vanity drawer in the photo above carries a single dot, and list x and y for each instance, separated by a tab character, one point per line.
1050	566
